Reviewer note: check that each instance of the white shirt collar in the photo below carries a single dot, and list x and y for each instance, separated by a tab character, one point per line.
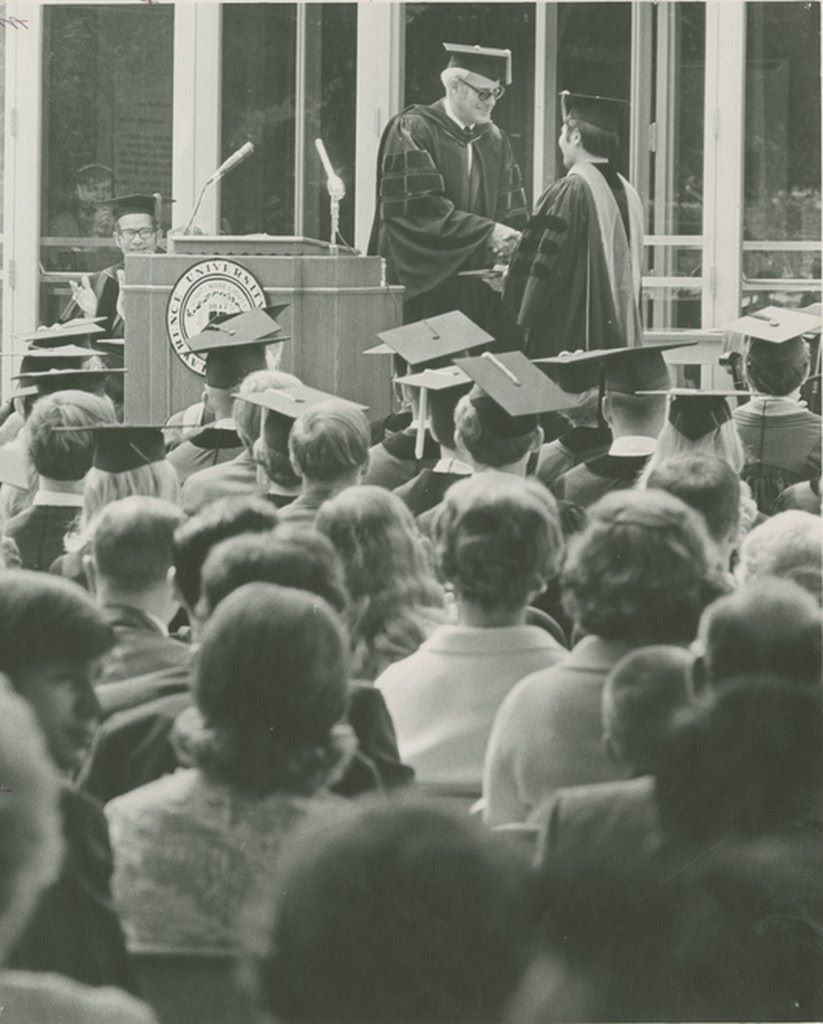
58	499
633	444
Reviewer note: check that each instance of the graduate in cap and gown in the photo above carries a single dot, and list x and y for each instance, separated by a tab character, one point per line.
234	345
574	280
781	437
136	229
449	193
635	420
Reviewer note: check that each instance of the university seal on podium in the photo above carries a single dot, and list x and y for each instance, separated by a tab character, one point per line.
211	286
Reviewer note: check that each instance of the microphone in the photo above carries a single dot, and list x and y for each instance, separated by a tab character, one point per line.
229	164
334	184
236	158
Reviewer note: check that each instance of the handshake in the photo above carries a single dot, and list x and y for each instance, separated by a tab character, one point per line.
502	243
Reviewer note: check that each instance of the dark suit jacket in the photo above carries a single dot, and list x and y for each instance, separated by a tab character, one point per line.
140	649
227	479
38	533
74	930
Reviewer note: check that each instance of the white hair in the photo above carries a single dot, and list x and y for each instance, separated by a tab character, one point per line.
789	545
449	75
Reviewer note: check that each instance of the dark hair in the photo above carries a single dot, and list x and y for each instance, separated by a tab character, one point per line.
132	541
401	913
291	556
639	571
274	452
706	484
486	447
65	455
218	521
498	539
776	369
746	760
329	440
594	140
640	695
442	405
271	684
768	625
44	618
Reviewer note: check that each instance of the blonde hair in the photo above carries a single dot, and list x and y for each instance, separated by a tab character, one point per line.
723	443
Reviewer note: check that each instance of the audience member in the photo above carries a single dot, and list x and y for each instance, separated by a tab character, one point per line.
638	575
61	458
51	637
769	626
583	439
498	543
396	601
788	546
804	496
194	848
401	913
329	449
129	568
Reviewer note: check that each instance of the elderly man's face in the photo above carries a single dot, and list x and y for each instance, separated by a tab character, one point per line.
135	232
473	98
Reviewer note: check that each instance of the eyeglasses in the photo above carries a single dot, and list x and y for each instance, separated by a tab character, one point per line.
129	234
485	94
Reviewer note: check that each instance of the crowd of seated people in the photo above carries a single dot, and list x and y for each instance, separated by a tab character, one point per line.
499	722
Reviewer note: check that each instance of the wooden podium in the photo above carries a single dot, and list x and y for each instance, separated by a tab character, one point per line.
337	302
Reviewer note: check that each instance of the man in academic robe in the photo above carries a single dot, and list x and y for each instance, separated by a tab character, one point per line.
574	280
450	195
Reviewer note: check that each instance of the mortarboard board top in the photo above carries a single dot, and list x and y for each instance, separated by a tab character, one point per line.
514	392
436	337
62	352
290	403
603	112
489	61
775	324
119	447
234	344
71	332
625	370
438	381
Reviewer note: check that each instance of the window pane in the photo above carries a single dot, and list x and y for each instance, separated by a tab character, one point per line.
507	25
782	160
331	89
107	129
258	105
594	58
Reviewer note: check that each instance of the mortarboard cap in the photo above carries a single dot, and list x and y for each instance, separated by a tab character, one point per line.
294	401
431	383
697	413
234	345
73	332
572	374
775	325
13	468
625	370
81	379
136	202
114	350
432	339
601	111
513	392
119	447
488	61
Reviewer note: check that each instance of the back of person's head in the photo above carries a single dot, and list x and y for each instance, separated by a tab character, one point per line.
402	913
291	556
639	572
722	442
156	480
788	546
776	369
271	686
329	441
747	759
44	619
499	540
65	455
706	484
640	695
643	415
30	832
595	140
477	425
246	415
228	517
132	542
442	406
767	626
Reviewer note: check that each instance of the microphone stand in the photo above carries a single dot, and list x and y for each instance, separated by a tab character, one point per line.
337	191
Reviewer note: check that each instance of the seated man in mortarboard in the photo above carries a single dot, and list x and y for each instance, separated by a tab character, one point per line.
450	195
781	437
234	345
136	229
574	280
635	420
418	347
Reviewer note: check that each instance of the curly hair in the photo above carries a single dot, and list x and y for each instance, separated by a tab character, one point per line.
395	596
499	539
485	445
271	684
639	572
776	369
